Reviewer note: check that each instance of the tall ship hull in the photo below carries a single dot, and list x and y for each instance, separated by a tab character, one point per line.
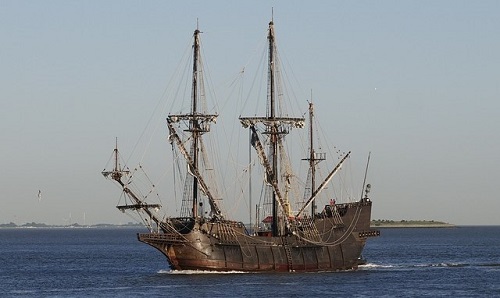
309	239
199	244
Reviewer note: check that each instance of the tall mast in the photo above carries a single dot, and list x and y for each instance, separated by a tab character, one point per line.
115	152
198	123
250	182
193	124
312	160
274	128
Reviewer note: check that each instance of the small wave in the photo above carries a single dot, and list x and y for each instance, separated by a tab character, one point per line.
453	265
403	266
442	265
374	266
188	272
22	292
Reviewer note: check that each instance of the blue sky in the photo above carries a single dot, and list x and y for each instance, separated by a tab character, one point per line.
414	82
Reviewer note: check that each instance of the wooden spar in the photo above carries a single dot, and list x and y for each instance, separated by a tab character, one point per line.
193	123
366	173
269	171
325	182
194	169
273	130
312	161
138	206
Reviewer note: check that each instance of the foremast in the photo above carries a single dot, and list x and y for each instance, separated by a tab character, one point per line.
276	127
117	173
198	124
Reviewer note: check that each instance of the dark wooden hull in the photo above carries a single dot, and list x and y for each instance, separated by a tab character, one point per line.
225	246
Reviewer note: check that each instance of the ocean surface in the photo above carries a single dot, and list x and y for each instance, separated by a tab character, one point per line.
96	262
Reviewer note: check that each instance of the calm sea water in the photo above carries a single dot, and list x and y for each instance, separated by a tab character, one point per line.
463	262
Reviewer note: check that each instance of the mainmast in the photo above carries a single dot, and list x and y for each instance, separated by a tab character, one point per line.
275	127
193	123
273	130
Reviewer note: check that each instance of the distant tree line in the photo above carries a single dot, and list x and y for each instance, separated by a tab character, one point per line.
43	225
377	222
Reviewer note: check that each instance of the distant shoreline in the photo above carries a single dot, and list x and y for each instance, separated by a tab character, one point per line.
415	226
410	224
374	224
72	226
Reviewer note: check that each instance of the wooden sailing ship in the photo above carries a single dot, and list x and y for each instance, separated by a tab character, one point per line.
328	238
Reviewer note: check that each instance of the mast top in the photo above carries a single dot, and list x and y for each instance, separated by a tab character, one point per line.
197	31
271	30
